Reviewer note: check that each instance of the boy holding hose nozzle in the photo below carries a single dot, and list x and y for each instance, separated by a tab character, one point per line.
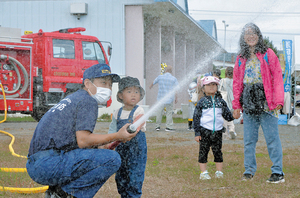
63	152
130	176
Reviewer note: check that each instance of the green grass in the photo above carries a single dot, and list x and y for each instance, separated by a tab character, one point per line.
18	119
102	118
175	119
178	166
173	171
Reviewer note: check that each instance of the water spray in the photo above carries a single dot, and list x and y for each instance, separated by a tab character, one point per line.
132	128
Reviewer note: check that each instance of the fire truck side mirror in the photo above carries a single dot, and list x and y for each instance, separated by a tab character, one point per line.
109	50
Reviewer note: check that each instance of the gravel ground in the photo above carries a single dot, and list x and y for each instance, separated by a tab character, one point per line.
289	135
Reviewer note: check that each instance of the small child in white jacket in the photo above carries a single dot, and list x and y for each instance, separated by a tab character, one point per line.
226	85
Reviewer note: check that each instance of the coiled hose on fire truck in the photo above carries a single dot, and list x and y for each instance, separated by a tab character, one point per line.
14	62
13	189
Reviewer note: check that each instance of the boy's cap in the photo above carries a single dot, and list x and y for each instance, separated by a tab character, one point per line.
129	82
209	79
100	70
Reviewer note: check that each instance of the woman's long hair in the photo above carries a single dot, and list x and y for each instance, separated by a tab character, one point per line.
245	48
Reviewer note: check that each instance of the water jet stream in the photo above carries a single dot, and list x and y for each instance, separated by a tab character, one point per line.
181	84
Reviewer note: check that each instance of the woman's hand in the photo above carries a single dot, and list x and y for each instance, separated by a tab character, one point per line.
236	113
278	107
197	138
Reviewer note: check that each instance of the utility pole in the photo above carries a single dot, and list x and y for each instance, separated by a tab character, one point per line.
225	25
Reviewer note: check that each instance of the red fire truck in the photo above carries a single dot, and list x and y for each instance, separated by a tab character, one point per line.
39	69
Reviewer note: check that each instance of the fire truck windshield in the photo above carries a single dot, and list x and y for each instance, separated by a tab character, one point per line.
92	51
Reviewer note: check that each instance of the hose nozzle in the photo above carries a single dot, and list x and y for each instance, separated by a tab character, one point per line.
131	129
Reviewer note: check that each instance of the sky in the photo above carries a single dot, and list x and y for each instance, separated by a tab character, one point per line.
276	19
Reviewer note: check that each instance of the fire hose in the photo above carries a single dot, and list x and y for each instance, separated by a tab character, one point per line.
13	189
14	62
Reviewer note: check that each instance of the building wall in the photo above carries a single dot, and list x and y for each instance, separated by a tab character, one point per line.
181	72
152	56
134	39
105	20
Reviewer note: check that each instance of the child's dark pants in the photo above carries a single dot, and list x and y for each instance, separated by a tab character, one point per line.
213	140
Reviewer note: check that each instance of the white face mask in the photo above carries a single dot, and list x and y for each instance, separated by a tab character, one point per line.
102	95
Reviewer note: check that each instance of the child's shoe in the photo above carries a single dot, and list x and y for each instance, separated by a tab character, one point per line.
204	175
219	174
169	129
232	134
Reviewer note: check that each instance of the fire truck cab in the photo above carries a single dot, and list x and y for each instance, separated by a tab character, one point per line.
39	69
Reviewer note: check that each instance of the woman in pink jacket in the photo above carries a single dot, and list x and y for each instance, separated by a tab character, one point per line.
258	91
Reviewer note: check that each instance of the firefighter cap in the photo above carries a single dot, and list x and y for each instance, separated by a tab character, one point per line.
99	70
